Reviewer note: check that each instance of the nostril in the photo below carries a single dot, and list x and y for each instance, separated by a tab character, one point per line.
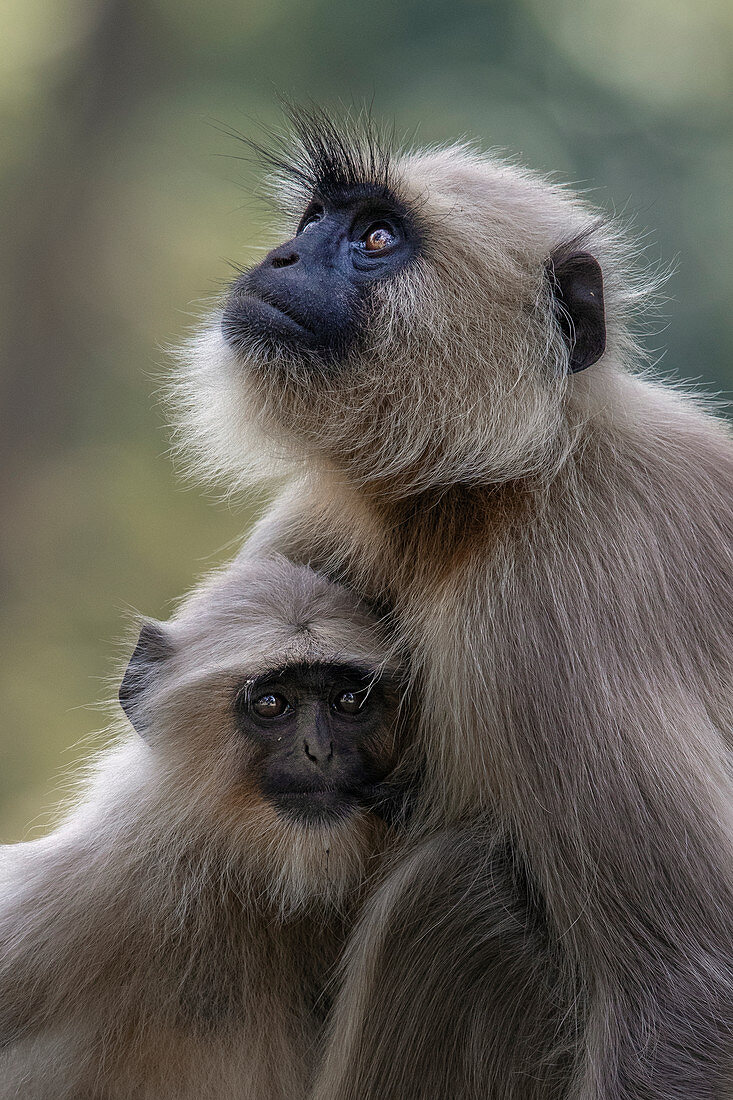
285	261
308	753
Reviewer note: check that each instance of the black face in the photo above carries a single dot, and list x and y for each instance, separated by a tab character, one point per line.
310	293
323	733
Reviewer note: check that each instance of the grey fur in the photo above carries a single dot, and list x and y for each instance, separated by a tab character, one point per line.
174	938
556	552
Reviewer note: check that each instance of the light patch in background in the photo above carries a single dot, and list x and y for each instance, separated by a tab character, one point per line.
671	53
36	36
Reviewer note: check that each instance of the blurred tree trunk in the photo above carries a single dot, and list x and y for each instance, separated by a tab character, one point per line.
48	334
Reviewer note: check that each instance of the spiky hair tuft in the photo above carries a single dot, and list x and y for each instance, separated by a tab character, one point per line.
325	156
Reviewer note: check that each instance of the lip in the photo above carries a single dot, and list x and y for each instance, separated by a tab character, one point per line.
247	316
268	305
321	796
316	806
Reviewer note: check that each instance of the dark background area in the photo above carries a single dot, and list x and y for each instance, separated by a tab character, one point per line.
121	207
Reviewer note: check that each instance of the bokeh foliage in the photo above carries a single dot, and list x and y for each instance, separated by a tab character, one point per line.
121	211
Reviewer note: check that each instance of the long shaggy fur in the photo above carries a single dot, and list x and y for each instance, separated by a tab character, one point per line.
174	938
466	994
555	551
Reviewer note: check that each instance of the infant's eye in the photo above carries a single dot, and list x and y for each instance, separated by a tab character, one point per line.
378	238
270	705
350	702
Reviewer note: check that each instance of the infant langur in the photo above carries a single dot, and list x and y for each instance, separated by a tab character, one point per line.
175	936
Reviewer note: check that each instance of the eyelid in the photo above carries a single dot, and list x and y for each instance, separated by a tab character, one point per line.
259	692
313	212
364	221
251	690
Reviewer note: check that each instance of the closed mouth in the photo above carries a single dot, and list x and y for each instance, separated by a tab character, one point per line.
283	312
319	806
247	312
319	795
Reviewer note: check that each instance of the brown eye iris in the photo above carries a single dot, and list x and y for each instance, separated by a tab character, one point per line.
378	238
350	702
270	705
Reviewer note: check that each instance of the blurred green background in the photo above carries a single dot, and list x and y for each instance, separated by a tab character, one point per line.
120	210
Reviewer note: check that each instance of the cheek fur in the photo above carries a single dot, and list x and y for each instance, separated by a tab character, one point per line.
211	773
489	407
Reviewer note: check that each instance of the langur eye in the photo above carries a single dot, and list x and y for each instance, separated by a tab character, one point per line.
378	238
350	702
270	705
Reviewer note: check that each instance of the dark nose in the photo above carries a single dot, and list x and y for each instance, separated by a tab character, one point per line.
318	751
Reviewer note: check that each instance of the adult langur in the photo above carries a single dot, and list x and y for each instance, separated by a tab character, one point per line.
441	356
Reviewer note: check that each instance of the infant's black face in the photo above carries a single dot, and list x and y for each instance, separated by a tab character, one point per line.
323	736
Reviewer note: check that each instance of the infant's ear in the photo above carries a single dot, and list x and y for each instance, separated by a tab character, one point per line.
154	647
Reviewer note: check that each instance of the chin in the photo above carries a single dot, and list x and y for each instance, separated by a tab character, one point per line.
227	439
265	339
321	858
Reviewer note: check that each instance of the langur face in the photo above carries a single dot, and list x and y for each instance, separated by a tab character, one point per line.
417	329
320	735
310	293
309	739
273	688
269	704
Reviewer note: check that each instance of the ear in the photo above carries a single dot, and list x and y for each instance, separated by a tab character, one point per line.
577	283
154	647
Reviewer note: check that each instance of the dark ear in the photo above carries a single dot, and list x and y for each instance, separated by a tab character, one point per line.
153	648
577	282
